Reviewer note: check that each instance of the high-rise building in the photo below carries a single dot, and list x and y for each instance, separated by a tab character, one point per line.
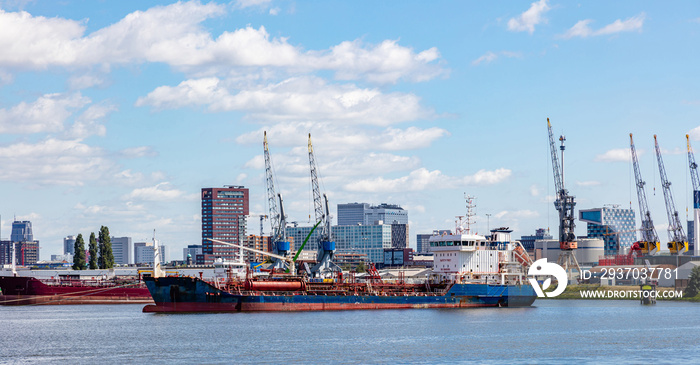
224	212
21	231
138	256
363	213
121	249
423	239
5	252
691	239
399	235
616	226
69	245
528	242
146	254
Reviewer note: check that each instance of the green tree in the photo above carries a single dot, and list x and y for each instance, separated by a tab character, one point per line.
106	255
79	253
361	267
693	287
92	247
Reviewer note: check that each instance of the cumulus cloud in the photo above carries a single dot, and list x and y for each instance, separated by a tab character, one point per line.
160	192
583	30
299	98
54	161
173	34
617	155
46	114
531	17
506	214
422	179
588	183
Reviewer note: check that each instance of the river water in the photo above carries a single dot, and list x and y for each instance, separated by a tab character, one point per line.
551	332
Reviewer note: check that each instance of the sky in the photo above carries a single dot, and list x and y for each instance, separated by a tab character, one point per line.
117	113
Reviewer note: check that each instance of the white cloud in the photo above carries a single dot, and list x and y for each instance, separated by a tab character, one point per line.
248	3
489	56
422	179
78	82
616	155
160	192
583	30
295	99
136	152
275	11
695	134
534	190
47	114
54	161
517	214
173	34
588	183
531	17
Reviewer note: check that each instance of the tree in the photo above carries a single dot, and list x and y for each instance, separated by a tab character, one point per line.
693	287
93	251
106	255
361	267
79	253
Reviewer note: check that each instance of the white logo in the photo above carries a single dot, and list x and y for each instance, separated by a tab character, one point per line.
541	268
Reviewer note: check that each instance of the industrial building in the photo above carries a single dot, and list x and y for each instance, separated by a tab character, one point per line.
528	242
588	253
224	212
615	225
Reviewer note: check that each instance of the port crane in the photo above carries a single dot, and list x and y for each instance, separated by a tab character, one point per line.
678	240
278	222
564	204
696	198
649	243
326	247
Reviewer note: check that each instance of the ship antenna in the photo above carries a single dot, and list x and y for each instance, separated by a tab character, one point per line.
470	211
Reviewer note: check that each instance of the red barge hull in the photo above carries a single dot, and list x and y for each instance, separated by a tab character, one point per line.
18	290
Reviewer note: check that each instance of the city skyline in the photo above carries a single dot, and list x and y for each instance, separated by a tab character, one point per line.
119	113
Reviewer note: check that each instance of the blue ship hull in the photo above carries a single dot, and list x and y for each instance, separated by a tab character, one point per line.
186	294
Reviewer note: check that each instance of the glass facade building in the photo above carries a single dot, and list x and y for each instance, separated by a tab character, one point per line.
370	240
224	212
616	226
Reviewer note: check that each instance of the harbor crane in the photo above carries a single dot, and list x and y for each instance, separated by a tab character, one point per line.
678	243
278	222
326	247
564	204
696	198
649	243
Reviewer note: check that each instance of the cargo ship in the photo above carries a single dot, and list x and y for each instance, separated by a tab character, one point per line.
470	270
28	290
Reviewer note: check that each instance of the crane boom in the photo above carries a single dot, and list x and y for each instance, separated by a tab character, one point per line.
696	198
650	240
679	241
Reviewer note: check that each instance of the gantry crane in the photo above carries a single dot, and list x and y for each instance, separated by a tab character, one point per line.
564	204
326	247
649	243
278	222
678	240
696	198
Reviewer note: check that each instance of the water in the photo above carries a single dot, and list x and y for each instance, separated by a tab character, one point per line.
555	331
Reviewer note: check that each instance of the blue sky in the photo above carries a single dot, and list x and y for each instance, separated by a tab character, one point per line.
118	113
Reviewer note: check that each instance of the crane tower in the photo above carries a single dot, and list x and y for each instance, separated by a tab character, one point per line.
326	247
696	198
678	240
564	204
278	222
650	240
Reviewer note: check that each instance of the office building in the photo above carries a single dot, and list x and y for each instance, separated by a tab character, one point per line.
362	213
224	212
145	254
121	249
423	239
5	252
691	239
22	231
370	240
615	225
528	242
399	235
69	245
138	259
398	257
191	251
258	243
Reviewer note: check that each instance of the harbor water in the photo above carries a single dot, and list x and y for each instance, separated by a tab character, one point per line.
553	331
